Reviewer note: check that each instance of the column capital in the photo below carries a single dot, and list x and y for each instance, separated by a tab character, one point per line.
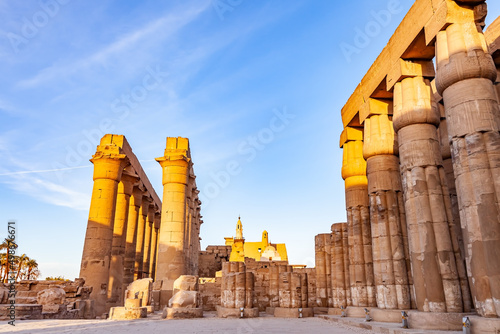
137	193
413	103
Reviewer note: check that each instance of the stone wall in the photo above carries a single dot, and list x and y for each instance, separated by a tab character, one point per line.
76	305
210	260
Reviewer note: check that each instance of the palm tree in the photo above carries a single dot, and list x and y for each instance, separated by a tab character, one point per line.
32	268
20	266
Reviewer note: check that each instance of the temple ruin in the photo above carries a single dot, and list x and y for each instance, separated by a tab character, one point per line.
421	168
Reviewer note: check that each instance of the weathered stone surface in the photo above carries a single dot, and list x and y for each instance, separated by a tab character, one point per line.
285	312
224	312
182	313
125	313
140	289
53	296
21	311
185	299
186	283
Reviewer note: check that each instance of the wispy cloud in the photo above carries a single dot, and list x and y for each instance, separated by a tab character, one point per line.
166	26
48	192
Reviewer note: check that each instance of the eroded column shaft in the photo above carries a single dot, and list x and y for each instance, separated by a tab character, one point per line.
427	202
341	288
387	221
141	233
465	76
360	264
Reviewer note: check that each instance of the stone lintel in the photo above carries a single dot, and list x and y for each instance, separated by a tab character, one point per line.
402	69
375	107
349	134
447	12
124	147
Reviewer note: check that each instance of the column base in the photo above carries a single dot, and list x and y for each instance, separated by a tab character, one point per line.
225	312
439	320
281	312
182	313
124	313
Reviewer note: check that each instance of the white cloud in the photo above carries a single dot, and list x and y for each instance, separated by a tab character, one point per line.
167	26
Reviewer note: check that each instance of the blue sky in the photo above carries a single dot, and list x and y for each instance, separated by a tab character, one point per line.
257	87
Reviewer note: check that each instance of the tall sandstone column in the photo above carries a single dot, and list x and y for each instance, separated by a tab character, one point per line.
341	286
321	242
171	261
387	215
427	202
116	271
141	234
465	76
131	238
109	162
147	241
154	245
358	219
456	232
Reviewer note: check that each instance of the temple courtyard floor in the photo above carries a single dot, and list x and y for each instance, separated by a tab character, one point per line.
211	324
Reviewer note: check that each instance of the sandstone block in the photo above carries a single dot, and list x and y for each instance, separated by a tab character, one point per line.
53	296
182	313
184	299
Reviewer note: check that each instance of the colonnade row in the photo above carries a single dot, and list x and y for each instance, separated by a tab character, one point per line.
421	164
128	235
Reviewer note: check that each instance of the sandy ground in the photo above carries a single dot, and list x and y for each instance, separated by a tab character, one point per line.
209	324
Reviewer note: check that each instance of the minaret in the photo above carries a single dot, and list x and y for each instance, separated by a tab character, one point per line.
265	238
239	229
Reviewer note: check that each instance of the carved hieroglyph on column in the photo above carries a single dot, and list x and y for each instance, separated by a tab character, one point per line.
465	76
175	252
109	162
116	270
427	202
387	216
358	219
341	290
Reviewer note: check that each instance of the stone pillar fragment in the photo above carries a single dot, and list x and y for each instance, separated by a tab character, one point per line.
386	199
116	270
274	286
358	219
131	238
465	77
427	202
109	162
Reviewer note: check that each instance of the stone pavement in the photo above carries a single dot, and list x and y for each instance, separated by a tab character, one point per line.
209	324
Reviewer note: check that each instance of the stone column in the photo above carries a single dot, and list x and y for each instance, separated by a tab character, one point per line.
358	219
427	202
171	262
141	233
456	232
154	245
340	266
109	163
274	274
147	241
465	76
320	259
387	215
116	270
131	238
